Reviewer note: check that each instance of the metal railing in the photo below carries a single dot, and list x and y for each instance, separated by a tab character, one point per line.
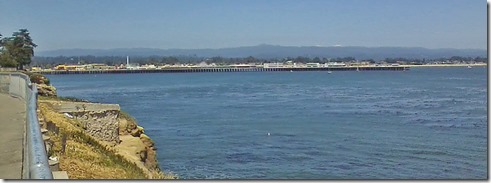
35	161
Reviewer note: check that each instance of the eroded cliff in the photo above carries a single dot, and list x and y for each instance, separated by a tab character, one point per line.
97	138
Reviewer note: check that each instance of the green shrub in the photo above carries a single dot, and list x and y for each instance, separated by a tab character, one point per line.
38	78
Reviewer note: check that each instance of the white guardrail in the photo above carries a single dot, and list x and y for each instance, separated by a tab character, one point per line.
35	161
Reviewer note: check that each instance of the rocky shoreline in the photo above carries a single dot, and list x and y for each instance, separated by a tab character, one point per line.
111	128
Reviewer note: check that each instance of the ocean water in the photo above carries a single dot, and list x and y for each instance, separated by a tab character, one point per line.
426	123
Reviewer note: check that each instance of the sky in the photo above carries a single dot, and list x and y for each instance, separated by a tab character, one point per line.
190	24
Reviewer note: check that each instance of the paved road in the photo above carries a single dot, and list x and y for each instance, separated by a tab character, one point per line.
12	121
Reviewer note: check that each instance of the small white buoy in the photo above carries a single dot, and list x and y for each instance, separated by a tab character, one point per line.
269	134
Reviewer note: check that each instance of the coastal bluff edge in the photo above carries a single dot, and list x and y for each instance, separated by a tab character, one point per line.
94	140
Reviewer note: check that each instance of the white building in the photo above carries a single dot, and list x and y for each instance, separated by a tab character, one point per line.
335	64
272	65
313	65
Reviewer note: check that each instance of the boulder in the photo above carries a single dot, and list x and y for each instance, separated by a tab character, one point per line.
151	160
146	140
137	131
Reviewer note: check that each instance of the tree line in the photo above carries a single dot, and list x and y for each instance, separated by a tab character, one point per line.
49	62
17	50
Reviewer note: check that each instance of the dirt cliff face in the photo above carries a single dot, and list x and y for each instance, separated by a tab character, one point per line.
136	145
150	160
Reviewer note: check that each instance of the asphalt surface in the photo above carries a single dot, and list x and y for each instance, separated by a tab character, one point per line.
12	121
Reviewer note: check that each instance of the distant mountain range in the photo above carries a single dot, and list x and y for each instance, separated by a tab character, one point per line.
273	51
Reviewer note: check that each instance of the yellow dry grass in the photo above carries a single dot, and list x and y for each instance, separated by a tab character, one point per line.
85	162
85	157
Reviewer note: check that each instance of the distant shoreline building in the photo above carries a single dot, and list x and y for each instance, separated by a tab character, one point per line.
273	65
131	66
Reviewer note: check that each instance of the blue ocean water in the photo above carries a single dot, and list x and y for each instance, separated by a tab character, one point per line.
426	123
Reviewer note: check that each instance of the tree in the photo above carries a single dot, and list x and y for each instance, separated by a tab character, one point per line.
17	51
170	60
371	61
250	59
7	61
6	58
301	59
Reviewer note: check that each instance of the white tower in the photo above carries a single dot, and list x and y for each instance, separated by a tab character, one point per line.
127	61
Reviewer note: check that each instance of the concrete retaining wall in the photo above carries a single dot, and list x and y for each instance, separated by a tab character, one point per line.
99	120
4	83
103	125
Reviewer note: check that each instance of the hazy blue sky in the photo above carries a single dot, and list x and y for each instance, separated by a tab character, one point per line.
231	23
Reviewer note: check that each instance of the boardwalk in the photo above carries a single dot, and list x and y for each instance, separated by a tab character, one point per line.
225	69
12	121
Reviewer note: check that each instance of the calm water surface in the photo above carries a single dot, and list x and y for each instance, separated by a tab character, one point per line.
426	123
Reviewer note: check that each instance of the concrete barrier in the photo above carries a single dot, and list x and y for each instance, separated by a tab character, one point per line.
35	160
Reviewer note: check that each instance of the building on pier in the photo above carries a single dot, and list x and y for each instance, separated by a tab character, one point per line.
70	67
313	65
335	64
272	65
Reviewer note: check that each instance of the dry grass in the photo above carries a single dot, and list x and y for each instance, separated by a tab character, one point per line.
59	120
85	157
86	162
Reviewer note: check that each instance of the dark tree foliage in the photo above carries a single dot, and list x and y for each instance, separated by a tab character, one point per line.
17	51
344	59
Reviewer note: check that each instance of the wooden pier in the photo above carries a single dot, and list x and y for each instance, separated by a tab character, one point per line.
223	69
